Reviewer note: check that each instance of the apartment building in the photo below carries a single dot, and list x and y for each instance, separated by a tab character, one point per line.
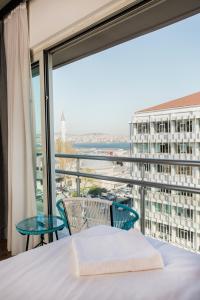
170	130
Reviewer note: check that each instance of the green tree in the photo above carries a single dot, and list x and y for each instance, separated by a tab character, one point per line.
96	191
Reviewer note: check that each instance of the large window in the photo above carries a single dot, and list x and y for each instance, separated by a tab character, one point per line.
143	128
102	105
184	148
183	126
161	127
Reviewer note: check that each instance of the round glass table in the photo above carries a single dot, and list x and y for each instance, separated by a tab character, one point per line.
40	225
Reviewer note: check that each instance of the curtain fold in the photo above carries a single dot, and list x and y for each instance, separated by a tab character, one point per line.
21	189
3	138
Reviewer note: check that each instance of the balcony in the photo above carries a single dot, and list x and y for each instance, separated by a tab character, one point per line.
183	156
141	137
184	136
141	196
164	137
154	155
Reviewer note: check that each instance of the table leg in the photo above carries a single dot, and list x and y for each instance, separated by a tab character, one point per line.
56	232
42	239
27	242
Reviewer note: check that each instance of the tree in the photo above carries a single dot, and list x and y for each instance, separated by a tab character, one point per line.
96	191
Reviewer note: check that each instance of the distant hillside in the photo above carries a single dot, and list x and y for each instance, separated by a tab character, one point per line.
95	137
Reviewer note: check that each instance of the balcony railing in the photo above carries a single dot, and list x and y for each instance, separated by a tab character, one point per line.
167	217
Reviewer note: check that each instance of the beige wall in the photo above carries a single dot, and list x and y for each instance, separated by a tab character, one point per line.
52	20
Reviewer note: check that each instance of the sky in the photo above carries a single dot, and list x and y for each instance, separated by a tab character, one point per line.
100	93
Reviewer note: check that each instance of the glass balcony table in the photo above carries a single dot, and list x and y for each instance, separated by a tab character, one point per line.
40	225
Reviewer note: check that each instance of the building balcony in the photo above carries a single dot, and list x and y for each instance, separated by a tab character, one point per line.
172	156
183	156
140	138
154	155
154	137
183	137
159	137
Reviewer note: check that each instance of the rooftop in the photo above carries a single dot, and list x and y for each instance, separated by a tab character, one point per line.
190	100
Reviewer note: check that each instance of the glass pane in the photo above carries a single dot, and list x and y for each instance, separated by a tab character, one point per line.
38	138
112	104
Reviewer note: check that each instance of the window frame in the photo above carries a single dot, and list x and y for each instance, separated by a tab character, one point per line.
157	15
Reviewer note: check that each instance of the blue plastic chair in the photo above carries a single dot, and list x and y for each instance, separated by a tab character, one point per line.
123	216
81	213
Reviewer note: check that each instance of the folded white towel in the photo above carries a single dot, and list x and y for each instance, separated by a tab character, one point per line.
120	251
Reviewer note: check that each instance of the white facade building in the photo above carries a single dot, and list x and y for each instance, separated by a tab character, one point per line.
169	131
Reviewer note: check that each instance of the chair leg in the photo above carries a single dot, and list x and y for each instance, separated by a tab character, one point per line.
56	233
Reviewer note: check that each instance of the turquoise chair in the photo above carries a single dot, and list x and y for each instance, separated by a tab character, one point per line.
82	213
123	216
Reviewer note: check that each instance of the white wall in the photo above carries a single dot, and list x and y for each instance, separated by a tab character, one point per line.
52	20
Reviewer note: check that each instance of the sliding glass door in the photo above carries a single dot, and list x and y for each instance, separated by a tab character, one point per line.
39	147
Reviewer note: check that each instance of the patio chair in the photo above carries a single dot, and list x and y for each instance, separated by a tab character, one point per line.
82	213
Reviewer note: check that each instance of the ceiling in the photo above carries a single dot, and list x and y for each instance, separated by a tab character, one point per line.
137	21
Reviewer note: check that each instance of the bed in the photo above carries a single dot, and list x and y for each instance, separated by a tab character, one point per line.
48	273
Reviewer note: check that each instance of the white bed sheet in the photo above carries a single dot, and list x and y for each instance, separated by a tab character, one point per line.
47	273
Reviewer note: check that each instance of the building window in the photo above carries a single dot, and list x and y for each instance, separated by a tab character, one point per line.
163	228
188	213
148	224
164	208
143	128
163	169
184	148
186	194
167	209
165	191
143	148
147	167
183	126
147	203
158	207
179	211
185	234
163	148
162	127
184	170
184	212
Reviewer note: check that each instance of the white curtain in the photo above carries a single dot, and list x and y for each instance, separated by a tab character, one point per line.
21	190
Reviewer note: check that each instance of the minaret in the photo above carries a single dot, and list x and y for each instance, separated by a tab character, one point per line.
63	127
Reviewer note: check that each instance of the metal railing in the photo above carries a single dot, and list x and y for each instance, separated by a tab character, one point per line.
141	183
